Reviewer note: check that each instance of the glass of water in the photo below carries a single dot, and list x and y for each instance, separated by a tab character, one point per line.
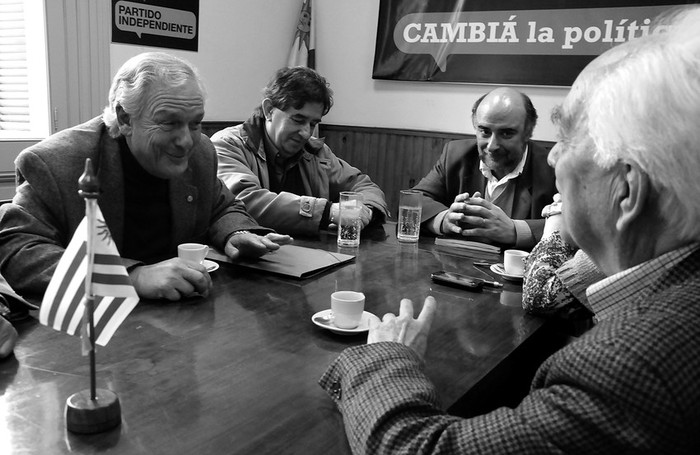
410	208
350	223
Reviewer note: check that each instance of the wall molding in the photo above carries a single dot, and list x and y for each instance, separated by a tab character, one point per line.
7	177
211	127
398	131
394	158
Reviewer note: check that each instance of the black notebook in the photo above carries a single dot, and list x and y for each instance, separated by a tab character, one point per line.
290	260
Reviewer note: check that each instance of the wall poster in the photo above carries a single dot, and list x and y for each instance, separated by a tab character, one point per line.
160	23
540	42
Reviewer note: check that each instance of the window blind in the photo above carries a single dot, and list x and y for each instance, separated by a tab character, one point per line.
14	77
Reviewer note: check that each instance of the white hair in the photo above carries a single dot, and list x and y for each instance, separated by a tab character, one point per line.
137	75
639	103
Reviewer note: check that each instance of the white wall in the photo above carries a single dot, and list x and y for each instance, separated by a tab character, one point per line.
242	42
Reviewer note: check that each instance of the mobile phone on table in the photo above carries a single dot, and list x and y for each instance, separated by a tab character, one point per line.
455	279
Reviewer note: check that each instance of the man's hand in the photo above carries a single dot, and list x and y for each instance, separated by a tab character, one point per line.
172	279
334	216
477	217
365	215
455	217
555	221
252	245
8	337
404	329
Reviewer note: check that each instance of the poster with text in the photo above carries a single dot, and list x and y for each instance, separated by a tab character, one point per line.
540	42
159	23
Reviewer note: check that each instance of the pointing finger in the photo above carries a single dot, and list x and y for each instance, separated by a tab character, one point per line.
406	309
427	314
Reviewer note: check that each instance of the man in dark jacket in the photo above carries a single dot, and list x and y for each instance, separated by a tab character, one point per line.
158	188
494	187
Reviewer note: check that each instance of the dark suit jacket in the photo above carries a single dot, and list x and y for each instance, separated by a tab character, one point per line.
630	385
46	210
457	171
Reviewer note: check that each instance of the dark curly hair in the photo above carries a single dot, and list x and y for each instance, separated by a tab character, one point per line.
295	86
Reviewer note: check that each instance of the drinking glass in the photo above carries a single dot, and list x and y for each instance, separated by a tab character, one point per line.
410	208
350	222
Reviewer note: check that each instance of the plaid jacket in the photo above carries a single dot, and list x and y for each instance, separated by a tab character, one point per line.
630	385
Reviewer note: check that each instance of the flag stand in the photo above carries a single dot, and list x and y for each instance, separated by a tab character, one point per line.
94	410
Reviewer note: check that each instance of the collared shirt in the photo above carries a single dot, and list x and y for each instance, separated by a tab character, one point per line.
610	294
285	174
501	192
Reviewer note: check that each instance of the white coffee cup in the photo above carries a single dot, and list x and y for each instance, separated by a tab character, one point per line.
514	262
347	308
192	252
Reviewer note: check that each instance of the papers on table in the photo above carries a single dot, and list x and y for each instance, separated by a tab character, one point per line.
465	247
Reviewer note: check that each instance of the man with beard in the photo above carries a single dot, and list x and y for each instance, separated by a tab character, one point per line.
495	187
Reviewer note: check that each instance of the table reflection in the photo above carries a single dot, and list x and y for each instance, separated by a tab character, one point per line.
237	371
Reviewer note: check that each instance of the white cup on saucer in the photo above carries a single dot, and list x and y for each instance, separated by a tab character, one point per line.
192	252
347	308
514	262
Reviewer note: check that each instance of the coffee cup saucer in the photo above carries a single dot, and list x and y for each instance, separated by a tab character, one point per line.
323	320
498	269
210	265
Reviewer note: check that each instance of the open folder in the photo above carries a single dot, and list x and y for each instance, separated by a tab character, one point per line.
290	260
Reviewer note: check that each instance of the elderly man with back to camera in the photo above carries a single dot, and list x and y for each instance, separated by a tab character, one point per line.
626	165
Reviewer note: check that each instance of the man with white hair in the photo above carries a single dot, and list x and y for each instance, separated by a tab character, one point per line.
158	188
626	165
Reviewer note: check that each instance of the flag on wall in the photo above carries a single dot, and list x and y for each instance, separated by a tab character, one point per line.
303	51
63	305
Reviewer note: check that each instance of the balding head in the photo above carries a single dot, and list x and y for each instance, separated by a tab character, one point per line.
503	119
508	98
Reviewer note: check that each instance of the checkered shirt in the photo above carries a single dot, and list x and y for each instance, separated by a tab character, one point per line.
629	385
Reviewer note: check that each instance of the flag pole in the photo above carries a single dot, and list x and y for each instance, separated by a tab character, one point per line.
95	410
89	189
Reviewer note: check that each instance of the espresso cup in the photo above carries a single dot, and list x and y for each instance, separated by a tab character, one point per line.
192	252
514	262
347	308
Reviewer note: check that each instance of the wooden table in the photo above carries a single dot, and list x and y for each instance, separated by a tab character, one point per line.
237	372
